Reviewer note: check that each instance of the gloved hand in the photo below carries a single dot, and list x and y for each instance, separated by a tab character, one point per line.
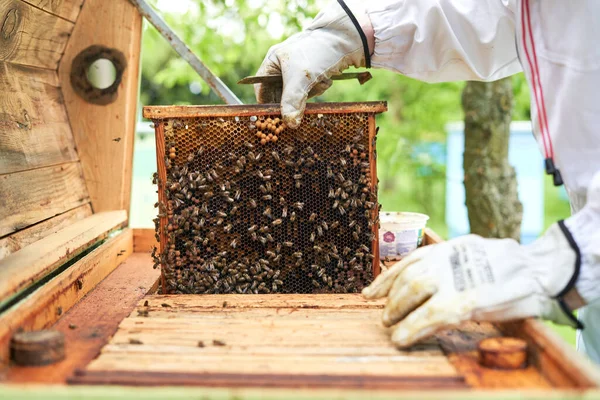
472	278
308	59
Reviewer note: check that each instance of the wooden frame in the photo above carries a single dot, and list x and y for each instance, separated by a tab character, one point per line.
162	112
159	114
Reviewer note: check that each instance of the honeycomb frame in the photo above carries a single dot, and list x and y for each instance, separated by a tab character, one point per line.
238	215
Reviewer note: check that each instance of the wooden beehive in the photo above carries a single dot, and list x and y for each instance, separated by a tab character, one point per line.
239	214
69	262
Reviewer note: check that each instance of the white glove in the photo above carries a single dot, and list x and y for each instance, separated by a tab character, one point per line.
307	60
472	278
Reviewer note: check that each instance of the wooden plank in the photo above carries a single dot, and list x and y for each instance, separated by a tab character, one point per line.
431	237
234	380
45	306
144	240
30	264
67	9
92	321
25	237
35	130
29	197
366	352
104	134
31	36
556	360
282	364
162	196
306	301
374	182
183	392
162	112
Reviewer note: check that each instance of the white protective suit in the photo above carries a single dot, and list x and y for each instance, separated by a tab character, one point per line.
449	40
555	43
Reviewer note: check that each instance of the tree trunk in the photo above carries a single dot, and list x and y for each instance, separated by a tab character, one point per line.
490	181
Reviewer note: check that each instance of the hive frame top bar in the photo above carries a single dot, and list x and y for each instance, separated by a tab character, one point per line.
163	112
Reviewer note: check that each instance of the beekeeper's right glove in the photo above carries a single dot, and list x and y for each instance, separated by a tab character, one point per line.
307	60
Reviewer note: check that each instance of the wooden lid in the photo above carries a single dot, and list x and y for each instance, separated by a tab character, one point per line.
37	347
503	353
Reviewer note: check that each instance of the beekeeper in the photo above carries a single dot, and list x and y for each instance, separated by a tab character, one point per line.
555	43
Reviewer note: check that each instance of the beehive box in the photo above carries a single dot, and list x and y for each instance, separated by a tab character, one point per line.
69	262
243	214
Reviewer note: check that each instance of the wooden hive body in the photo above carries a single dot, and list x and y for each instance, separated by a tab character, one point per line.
69	262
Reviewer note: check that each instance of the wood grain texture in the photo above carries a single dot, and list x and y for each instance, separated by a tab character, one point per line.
294	301
44	307
18	240
144	240
162	195
30	36
161	112
67	9
34	128
266	340
92	321
104	134
363	382
29	197
28	265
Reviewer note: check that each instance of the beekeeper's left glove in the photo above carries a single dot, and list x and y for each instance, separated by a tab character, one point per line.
472	278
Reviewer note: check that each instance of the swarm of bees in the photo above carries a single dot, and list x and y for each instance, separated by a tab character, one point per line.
246	215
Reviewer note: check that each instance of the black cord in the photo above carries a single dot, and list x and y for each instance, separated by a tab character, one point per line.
363	38
571	284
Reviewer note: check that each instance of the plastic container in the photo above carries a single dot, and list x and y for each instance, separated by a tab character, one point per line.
400	233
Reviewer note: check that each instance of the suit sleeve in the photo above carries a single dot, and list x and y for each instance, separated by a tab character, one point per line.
445	40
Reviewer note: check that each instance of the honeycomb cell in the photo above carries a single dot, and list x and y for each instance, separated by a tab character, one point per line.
254	207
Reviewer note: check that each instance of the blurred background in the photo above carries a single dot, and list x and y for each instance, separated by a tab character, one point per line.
420	141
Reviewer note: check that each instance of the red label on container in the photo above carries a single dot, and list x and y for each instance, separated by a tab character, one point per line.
388	237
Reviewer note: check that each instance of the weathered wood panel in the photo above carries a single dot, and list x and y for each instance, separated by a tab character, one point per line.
30	264
15	242
91	322
104	133
67	9
32	196
46	305
34	127
30	36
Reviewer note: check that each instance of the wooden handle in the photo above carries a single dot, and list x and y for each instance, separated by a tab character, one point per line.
362	77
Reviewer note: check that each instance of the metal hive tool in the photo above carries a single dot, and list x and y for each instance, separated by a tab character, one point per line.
298	214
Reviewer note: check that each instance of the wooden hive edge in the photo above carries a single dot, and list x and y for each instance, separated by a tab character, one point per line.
162	112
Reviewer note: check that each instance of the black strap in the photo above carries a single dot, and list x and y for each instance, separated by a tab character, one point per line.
552	170
571	284
363	38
